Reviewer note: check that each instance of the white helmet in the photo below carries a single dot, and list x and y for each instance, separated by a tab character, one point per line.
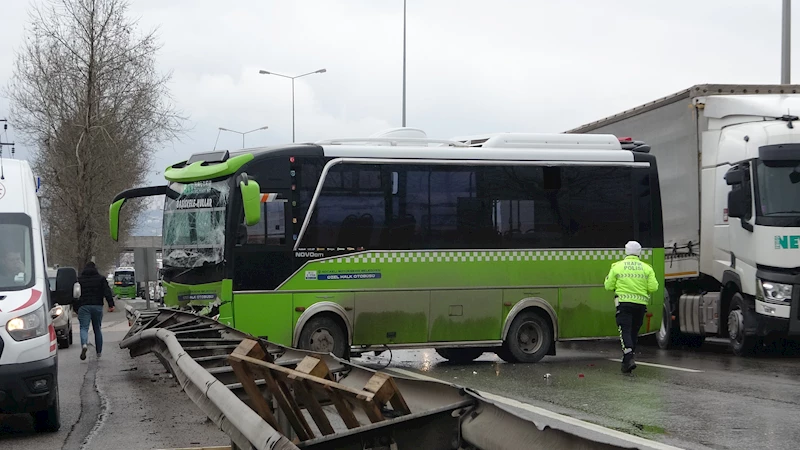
633	248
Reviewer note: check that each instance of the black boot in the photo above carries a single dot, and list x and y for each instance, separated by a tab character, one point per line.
628	364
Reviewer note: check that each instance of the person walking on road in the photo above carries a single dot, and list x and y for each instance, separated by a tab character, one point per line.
94	287
633	281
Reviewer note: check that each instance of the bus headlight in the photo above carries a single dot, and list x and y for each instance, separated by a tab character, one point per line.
772	292
29	326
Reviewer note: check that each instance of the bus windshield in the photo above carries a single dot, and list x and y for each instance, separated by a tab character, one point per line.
124	278
194	224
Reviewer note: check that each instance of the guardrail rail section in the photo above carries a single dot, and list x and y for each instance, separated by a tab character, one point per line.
267	396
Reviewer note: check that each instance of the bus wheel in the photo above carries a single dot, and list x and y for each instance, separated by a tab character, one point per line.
459	355
529	337
325	335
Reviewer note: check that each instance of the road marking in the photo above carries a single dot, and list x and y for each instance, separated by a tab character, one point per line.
662	366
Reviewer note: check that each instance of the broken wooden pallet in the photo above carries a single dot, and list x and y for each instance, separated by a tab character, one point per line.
304	385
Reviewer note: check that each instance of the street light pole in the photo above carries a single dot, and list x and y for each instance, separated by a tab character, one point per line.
292	110
264	72
404	63
786	36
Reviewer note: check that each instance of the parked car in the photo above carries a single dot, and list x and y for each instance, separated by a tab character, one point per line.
61	314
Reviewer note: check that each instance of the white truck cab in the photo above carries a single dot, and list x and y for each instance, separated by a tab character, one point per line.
729	166
28	347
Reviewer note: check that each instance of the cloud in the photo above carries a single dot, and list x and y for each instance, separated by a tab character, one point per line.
473	66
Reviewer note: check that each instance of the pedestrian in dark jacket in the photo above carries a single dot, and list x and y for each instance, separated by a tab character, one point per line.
94	288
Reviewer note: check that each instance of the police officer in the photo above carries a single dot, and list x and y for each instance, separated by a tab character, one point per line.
633	281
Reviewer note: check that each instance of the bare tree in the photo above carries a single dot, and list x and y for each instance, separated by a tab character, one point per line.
87	97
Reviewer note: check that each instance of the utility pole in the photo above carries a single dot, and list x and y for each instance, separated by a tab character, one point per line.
786	37
404	63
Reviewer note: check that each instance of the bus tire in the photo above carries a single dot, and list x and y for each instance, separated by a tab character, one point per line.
460	355
324	334
529	337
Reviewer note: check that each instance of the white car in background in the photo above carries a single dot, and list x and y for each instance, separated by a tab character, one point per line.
61	314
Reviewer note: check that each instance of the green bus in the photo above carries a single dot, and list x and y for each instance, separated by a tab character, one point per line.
124	282
498	243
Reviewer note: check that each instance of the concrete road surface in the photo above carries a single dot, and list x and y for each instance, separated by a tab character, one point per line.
694	399
115	402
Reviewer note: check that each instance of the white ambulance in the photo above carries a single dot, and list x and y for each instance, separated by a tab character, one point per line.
28	359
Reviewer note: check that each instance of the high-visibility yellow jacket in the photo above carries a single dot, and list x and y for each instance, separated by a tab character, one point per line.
632	280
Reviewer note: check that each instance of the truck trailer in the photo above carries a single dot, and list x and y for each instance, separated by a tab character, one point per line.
729	164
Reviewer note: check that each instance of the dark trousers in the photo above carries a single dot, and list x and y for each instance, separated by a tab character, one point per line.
629	320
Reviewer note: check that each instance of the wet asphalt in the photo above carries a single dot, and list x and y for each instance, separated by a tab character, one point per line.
691	398
702	398
116	402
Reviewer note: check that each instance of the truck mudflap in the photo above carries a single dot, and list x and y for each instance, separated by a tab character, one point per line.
266	396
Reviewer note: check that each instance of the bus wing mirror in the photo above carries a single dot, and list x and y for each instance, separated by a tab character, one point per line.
251	199
67	287
113	218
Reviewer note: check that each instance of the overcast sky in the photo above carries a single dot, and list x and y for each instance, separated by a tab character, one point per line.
472	66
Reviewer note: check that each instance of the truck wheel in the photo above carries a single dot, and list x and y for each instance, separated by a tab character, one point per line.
667	336
529	337
741	344
459	355
48	420
323	334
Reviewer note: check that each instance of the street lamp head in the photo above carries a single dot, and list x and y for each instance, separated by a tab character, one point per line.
263	72
322	70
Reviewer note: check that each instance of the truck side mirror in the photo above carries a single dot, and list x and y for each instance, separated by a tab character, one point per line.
736	175
251	199
67	287
738	203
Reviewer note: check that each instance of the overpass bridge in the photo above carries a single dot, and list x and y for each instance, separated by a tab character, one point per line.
133	242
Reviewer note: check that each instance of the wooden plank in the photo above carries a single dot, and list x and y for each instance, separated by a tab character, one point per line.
313	407
343	408
250	349
286	371
247	378
299	424
371	409
283	384
386	391
314	367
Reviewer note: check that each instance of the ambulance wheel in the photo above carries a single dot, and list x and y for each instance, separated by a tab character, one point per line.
48	420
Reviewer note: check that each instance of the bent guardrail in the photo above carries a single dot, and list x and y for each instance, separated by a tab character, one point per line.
266	396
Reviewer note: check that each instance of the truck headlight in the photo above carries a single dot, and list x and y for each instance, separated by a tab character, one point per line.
29	326
772	292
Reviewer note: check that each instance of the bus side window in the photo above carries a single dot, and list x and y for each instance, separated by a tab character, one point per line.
271	229
276	222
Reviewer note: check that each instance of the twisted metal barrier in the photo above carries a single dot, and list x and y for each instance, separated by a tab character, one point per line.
267	396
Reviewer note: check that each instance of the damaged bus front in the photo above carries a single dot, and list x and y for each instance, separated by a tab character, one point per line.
201	195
